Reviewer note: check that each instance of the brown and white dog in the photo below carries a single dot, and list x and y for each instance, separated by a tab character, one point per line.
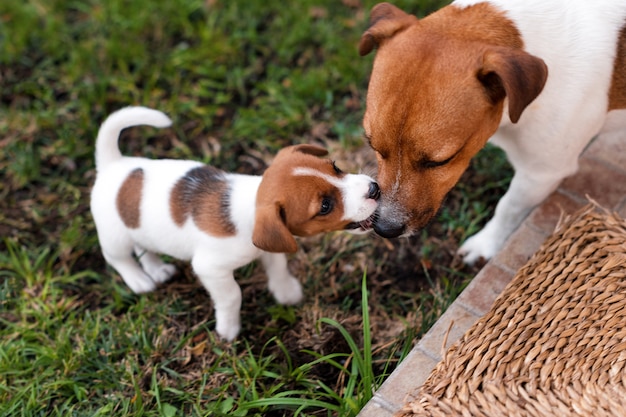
539	78
219	221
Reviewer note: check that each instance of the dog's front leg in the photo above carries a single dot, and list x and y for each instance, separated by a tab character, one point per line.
284	286
524	193
226	296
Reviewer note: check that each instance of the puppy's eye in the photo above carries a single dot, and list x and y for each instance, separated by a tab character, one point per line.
337	169
327	206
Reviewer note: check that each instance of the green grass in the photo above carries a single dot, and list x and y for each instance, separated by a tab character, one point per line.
240	79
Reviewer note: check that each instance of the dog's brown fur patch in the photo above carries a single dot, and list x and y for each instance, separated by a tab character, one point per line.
129	199
481	22
203	194
617	94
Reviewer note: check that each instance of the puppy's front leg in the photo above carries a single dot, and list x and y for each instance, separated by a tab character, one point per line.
226	296
284	286
524	193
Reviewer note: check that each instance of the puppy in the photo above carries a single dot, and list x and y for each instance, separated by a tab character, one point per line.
539	78
219	221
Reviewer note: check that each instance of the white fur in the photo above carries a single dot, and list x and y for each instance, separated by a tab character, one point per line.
351	187
213	258
577	39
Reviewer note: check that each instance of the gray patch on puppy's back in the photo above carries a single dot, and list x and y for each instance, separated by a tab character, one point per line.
204	194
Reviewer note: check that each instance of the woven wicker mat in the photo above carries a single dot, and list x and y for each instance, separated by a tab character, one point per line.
554	342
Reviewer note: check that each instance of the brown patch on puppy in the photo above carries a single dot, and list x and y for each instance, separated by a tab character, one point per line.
129	199
203	194
617	93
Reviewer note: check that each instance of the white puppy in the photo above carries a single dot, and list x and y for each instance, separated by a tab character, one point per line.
219	221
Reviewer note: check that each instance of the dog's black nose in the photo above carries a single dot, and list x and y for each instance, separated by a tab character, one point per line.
374	191
388	228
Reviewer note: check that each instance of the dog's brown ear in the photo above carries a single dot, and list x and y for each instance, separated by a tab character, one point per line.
270	231
385	21
515	74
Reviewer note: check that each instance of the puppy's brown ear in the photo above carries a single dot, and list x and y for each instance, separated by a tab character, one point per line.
515	74
310	150
385	21
270	231
304	149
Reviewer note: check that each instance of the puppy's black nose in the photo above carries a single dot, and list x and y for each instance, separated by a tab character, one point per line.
374	191
388	228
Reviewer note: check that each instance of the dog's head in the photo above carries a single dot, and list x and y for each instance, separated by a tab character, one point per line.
436	94
302	194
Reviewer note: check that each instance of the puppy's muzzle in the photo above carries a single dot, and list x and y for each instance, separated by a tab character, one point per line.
374	191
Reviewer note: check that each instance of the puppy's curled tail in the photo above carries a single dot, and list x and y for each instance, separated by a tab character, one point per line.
107	150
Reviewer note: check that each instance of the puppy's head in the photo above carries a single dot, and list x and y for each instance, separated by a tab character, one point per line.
302	194
436	94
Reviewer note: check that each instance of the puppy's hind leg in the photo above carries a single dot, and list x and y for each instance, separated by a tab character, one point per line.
121	259
154	266
284	286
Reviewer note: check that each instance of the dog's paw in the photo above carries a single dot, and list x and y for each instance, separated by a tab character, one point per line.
162	272
478	247
288	292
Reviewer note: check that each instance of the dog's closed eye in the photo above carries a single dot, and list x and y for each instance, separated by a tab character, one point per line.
429	163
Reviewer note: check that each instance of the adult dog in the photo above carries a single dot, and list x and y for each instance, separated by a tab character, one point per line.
539	78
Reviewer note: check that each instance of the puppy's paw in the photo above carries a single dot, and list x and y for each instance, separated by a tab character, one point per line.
288	291
480	246
162	273
227	331
139	283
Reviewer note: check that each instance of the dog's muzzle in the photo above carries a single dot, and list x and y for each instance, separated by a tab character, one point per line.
388	227
389	219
